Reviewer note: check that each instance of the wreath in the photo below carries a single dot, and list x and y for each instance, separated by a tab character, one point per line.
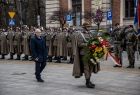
96	49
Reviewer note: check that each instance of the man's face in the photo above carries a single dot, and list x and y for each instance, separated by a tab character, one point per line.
38	32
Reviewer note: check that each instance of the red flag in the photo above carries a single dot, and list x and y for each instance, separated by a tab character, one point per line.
115	59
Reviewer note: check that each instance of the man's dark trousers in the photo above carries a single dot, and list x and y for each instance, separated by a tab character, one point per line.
39	66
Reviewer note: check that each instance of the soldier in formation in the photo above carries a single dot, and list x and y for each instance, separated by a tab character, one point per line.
61	43
125	39
131	43
116	35
16	41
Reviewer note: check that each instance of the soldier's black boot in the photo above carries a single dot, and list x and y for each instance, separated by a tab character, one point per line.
11	55
139	67
25	57
2	56
49	59
64	58
71	60
58	60
133	64
128	66
55	58
18	57
89	84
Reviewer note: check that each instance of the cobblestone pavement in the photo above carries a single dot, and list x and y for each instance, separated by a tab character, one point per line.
17	78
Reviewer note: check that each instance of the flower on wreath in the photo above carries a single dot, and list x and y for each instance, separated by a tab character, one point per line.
96	49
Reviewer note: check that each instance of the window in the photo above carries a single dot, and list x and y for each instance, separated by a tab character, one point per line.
129	8
77	9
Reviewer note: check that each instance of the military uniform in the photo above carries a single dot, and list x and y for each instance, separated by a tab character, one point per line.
69	45
10	39
49	43
117	41
18	43
25	42
78	43
55	41
3	44
131	40
138	36
0	41
61	45
138	43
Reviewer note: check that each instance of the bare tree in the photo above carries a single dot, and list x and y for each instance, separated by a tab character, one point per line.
60	16
96	17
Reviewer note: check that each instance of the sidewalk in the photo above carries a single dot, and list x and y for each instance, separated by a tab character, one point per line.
17	78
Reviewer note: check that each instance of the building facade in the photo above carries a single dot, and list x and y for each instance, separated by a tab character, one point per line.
122	11
53	13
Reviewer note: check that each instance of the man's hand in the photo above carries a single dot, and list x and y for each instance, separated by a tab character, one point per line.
36	59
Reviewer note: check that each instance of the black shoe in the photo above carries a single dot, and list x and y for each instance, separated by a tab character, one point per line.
58	61
89	85
55	58
130	66
11	58
117	66
25	57
30	59
92	84
3	57
40	80
18	57
139	67
49	60
70	62
64	58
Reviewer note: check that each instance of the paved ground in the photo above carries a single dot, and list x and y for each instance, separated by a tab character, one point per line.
17	78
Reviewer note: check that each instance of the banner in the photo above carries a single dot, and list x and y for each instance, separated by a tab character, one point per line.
138	13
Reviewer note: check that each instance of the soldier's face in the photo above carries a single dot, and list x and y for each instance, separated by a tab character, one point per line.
118	26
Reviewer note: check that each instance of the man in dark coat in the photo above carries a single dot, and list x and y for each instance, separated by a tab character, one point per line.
39	52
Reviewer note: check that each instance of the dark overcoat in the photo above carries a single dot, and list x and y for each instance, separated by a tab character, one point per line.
39	49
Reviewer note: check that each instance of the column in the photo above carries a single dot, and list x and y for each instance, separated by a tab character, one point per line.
83	10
